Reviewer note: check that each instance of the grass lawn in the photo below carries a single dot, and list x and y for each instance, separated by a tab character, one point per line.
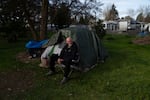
124	76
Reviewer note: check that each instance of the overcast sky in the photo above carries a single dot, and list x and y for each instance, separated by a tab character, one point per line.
123	6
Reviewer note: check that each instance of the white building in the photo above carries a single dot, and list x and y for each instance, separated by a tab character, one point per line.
125	25
147	27
110	25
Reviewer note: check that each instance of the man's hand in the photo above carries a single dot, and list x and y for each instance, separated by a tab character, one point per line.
59	60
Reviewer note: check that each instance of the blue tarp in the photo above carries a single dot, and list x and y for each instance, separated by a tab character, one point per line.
35	44
142	34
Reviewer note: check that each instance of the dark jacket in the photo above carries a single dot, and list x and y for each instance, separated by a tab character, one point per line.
69	53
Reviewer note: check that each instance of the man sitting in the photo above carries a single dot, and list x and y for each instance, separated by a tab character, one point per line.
67	55
51	51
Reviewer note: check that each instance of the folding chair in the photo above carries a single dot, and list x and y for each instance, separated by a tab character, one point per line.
73	66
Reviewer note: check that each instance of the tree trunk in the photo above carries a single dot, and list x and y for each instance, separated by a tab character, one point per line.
34	35
31	26
43	28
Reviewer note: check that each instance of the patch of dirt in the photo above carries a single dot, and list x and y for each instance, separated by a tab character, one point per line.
142	41
24	57
14	82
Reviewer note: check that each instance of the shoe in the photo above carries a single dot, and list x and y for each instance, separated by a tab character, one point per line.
34	55
30	57
64	80
50	73
42	66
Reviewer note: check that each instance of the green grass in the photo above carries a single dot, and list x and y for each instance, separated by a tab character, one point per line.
124	76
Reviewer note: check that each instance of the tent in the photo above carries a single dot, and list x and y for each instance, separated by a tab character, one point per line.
90	47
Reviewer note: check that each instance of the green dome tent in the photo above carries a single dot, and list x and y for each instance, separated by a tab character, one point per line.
90	47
